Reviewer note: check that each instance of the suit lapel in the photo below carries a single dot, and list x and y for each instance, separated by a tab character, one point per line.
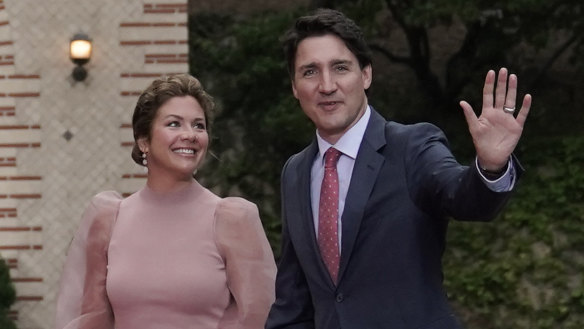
300	191
365	172
305	208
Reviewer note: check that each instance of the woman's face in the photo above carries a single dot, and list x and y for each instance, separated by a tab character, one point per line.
178	139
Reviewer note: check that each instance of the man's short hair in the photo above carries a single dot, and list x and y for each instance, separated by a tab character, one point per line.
323	22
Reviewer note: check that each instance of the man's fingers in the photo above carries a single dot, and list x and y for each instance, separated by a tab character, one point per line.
488	90
510	99
525	107
501	91
469	114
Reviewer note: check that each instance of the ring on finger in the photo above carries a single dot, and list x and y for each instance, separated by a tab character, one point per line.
509	110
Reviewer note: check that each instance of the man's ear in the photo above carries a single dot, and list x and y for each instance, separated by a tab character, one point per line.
294	89
367	76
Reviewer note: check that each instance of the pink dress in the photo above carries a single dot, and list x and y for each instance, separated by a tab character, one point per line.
187	259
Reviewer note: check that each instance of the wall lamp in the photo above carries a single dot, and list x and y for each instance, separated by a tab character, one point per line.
80	53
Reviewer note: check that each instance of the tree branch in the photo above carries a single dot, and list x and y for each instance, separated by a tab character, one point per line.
554	57
391	56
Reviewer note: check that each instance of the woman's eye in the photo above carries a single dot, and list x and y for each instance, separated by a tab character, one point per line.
174	124
199	125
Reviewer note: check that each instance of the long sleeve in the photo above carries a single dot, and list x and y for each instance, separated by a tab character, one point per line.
82	302
440	185
249	261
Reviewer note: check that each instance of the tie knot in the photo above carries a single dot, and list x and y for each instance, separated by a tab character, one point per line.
331	156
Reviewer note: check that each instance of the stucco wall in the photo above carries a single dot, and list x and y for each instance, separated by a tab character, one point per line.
62	142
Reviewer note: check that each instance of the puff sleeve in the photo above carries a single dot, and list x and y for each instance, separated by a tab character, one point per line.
249	261
82	302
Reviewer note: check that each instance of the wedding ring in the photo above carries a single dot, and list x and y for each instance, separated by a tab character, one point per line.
509	110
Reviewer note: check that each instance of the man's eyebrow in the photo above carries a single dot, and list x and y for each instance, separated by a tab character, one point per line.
307	66
342	61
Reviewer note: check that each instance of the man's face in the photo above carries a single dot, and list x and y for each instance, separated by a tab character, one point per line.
330	85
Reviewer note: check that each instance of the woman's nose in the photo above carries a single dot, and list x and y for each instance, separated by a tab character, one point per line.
190	134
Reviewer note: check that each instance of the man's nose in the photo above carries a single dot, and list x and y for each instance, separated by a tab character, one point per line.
327	83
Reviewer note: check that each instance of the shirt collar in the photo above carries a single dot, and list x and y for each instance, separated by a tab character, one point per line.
349	143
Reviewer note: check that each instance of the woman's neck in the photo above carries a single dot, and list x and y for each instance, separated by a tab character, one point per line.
166	184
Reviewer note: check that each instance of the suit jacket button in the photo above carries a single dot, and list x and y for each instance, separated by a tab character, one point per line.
339	298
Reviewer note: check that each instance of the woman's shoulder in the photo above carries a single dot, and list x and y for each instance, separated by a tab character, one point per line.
103	204
106	200
236	209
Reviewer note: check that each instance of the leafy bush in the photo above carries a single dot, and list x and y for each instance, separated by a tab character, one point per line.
7	296
525	269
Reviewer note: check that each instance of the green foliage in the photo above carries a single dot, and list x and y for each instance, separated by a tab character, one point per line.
7	296
525	269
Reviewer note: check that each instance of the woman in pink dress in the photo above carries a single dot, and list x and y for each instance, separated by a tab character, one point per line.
173	254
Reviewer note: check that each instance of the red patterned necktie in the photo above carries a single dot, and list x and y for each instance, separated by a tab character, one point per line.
328	213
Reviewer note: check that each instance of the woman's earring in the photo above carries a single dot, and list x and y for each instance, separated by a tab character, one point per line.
145	162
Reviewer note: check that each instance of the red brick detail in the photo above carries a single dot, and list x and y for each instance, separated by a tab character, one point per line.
23	196
159	11
7	162
130	93
29	298
20	145
140	75
24	76
165	8
16	247
25	94
134	24
166	58
146	75
23	177
6	43
15	127
21	229
135	43
126	125
166	61
7	110
12	263
12	314
166	42
7	212
27	279
127	144
128	176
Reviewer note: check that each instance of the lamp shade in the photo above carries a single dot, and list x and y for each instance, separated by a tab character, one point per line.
80	49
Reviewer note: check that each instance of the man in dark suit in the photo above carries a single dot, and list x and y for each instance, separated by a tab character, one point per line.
363	250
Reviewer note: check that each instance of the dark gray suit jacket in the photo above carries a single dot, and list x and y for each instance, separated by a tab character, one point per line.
405	185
